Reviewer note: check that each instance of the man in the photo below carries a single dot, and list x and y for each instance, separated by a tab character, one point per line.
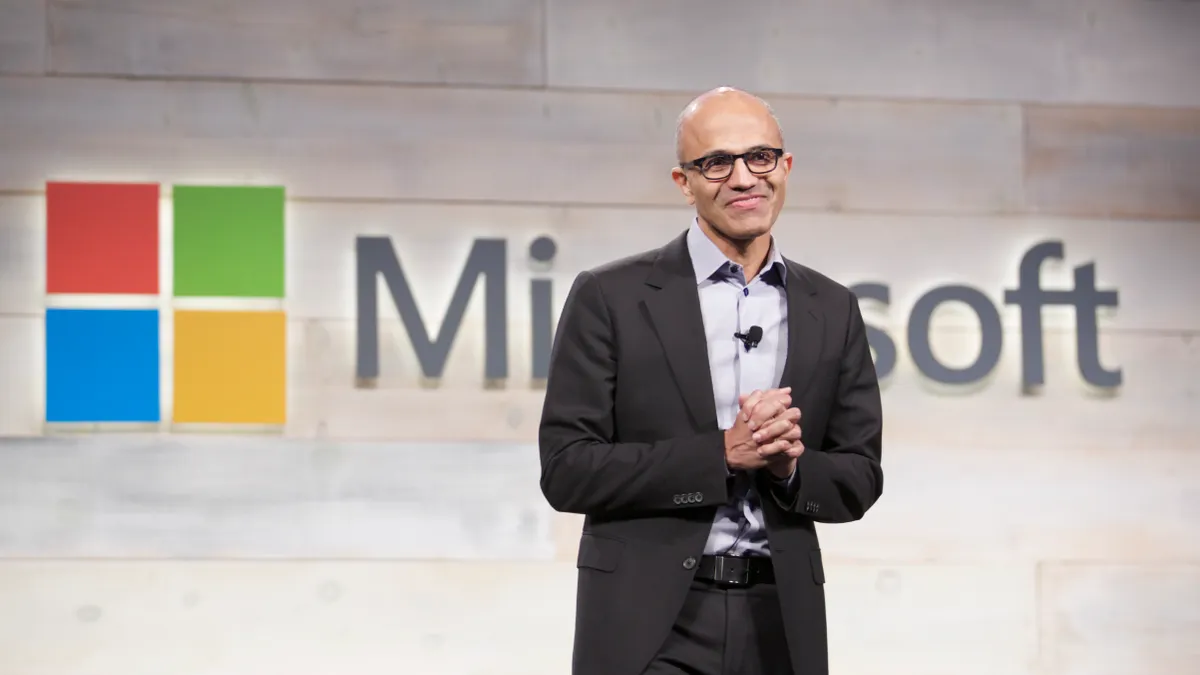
707	403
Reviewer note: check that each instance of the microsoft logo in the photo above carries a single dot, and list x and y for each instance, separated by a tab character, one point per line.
129	303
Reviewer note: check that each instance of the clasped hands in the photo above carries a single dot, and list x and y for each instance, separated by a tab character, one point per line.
766	433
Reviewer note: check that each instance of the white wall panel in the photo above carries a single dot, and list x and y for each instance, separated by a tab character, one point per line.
484	144
429	41
1112	619
205	496
22	375
998	500
1149	336
22	36
441	618
249	618
1114	163
22	255
931	619
1099	51
1151	264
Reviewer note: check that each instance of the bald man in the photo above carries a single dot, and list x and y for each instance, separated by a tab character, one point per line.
708	403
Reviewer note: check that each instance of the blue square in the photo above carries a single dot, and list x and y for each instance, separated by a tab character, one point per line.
102	365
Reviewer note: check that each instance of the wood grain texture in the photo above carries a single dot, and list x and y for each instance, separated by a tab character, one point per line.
1151	264
931	619
22	375
1105	619
311	618
205	496
1101	51
1153	408
22	255
22	36
1152	336
496	145
426	41
995	499
1114	163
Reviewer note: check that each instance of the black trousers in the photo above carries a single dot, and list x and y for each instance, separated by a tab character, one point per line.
726	631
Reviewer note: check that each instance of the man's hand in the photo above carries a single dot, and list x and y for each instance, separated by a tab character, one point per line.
765	434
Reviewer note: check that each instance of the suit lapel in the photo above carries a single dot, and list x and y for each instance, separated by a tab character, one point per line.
672	308
806	332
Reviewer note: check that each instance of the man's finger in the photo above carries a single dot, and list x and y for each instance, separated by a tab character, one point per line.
764	412
749	404
790	414
768	408
772	431
773	448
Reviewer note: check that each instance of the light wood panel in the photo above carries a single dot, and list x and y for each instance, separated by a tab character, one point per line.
1102	619
185	618
931	619
994	499
1095	478
470	144
198	496
1154	402
22	36
1114	163
443	618
22	375
1101	51
1152	264
22	255
455	41
999	499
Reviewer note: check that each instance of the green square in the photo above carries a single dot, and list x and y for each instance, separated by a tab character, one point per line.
229	241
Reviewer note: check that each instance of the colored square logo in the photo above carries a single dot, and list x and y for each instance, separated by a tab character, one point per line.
102	365
229	367
229	242
102	238
103	350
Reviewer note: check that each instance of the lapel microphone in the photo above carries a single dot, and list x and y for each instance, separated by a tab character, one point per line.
750	338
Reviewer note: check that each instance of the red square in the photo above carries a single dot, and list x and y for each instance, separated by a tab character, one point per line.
102	238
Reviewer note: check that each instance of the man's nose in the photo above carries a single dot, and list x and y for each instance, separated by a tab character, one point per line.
741	175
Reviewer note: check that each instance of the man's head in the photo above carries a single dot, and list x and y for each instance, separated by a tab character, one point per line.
738	197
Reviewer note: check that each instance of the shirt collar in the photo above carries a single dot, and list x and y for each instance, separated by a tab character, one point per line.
707	259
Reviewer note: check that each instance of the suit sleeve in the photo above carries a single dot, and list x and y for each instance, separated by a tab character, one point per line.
841	480
585	469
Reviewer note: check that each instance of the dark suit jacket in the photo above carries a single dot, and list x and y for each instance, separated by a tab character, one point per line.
629	438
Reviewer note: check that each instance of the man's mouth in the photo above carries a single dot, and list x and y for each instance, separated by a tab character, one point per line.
747	202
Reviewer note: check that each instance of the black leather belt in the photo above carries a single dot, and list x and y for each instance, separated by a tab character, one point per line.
727	570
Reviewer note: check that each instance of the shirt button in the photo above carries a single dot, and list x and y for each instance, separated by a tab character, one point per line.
745	291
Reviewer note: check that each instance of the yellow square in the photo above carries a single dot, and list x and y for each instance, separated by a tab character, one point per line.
230	367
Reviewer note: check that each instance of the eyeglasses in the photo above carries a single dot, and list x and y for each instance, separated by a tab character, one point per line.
719	167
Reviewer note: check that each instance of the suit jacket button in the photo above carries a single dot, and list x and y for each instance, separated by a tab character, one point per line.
699	497
677	499
689	563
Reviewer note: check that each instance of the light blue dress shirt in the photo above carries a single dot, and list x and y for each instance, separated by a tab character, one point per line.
731	304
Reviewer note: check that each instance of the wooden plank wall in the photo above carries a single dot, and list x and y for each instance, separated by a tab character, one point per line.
935	142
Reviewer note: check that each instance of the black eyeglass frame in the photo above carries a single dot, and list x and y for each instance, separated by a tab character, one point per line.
745	157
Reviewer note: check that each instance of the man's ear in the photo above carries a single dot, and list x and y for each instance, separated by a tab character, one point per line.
680	178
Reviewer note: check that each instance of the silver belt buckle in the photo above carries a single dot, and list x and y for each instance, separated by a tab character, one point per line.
729	575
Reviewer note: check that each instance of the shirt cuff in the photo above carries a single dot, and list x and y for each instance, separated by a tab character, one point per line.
788	485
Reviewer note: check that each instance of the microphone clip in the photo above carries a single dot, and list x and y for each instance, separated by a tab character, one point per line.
750	338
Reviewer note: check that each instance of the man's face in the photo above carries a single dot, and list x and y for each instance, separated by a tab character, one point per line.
740	198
